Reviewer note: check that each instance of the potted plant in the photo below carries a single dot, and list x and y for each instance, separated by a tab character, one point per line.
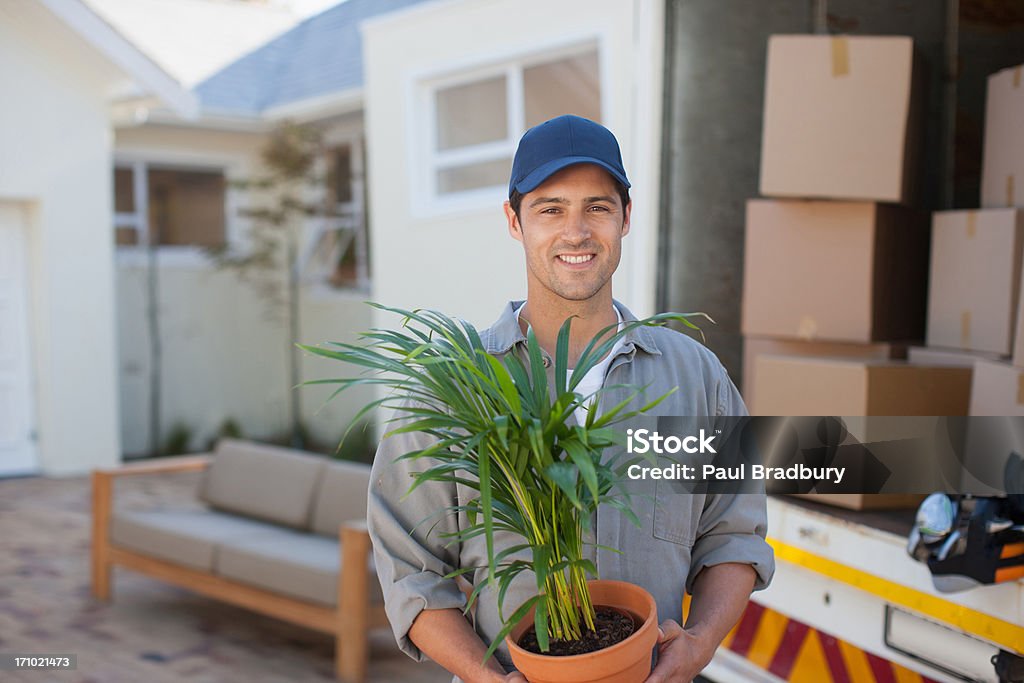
501	430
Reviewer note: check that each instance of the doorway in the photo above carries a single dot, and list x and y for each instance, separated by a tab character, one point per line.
18	453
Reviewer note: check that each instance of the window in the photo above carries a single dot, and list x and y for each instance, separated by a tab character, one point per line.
338	249
168	206
477	122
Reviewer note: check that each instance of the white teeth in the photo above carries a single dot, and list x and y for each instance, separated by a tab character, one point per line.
576	259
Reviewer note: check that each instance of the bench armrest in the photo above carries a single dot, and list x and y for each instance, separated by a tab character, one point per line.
354	526
103	490
177	464
355	546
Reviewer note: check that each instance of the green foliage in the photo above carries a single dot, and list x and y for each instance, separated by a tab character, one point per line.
358	445
229	429
178	439
287	192
497	430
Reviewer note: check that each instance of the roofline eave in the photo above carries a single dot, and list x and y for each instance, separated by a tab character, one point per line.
106	40
134	115
318	107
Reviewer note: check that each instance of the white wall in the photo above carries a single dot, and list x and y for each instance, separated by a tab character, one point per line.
224	352
224	357
464	263
56	149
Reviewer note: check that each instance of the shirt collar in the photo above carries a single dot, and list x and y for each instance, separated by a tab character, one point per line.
505	332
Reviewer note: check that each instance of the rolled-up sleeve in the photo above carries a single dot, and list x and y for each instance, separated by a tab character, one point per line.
733	527
409	545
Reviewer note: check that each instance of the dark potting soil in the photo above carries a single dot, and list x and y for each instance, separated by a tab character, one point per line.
611	626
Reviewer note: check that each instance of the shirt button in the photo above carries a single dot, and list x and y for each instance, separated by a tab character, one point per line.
547	362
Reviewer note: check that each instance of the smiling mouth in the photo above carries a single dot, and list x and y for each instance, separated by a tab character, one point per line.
575	260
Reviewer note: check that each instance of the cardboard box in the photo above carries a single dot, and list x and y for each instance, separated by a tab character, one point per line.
974	288
834	271
957	358
755	347
893	407
997	389
1018	337
1002	168
841	118
846	387
863	393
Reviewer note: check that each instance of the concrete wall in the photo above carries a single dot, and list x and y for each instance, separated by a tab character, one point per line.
224	356
56	152
463	261
224	344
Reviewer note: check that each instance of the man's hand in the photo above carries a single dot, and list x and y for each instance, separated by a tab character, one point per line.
681	655
515	677
720	593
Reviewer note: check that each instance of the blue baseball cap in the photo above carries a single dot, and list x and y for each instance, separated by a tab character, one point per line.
549	147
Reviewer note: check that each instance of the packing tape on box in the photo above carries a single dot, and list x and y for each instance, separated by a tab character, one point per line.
808	328
840	56
1020	388
965	329
972	224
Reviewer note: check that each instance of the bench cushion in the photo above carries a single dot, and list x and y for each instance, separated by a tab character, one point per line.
262	481
300	565
341	496
185	537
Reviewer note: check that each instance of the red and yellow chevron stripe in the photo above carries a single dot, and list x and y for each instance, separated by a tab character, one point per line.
795	652
1010	573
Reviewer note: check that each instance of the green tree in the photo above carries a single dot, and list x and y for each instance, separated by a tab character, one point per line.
288	192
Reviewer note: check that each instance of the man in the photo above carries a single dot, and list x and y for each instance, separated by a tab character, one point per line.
569	206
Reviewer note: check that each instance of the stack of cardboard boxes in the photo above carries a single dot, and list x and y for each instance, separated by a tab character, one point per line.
836	265
836	271
974	299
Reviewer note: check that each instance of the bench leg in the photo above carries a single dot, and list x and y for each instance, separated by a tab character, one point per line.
101	568
101	580
350	657
351	643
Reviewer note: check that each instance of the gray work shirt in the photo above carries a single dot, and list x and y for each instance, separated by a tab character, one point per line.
681	534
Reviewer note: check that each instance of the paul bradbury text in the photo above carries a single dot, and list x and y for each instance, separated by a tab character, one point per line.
741	472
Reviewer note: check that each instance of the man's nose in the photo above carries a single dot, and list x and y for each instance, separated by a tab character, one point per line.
576	229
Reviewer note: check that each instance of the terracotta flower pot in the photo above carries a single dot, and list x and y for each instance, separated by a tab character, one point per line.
626	662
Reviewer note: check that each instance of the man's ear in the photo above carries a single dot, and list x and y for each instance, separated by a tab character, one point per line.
514	228
625	217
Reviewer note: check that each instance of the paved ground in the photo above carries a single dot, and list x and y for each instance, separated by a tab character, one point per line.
151	632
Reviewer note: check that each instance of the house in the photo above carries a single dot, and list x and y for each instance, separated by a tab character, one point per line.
62	70
225	346
444	114
422	104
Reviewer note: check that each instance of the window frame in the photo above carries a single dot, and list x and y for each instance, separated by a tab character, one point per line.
426	160
175	255
352	217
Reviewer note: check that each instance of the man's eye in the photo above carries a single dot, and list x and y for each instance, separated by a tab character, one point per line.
550	209
598	207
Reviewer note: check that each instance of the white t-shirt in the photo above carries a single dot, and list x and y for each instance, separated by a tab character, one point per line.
594	379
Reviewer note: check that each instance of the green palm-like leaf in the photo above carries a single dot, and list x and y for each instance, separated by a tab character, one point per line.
500	428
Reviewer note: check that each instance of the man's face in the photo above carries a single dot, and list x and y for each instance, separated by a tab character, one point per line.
571	228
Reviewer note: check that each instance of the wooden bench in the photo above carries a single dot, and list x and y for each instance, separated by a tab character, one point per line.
349	621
